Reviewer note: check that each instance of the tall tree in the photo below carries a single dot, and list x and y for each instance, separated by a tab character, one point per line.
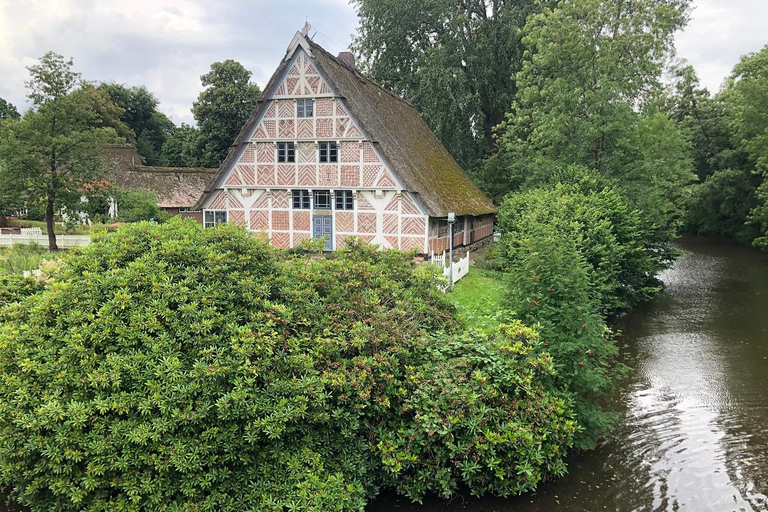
222	108
452	60
7	110
591	67
53	154
747	95
179	148
150	127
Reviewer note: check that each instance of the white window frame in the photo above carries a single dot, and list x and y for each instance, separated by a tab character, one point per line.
215	218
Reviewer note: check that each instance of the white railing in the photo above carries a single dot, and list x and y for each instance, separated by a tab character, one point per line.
63	241
460	268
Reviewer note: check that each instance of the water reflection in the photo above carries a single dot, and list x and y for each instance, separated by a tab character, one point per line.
694	434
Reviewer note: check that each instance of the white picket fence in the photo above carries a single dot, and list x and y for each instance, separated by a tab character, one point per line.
63	241
460	268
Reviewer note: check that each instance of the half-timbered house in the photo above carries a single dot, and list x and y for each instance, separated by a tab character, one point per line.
329	152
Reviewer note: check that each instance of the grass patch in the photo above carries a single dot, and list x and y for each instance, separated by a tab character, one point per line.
478	298
23	257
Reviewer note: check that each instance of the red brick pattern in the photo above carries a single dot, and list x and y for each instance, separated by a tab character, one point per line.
233	201
286	175
341	242
261	202
324	128
306	152
390	223
310	70
366	223
329	175
353	131
340	110
290	85
314	84
287	128
345	222
408	205
248	156
370	174
285	109
300	237
271	112
265	175
236	217
394	204
294	70
408	243
281	199
350	176
324	107
350	152
281	240
369	155
366	238
385	180
341	126
259	220
393	241
218	202
305	129
414	226
265	153
241	175
280	220
307	175
301	221
270	128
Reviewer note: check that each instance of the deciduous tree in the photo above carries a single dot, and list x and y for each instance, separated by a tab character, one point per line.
53	154
7	110
453	60
221	110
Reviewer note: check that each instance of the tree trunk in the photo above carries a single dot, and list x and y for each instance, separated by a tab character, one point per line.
50	225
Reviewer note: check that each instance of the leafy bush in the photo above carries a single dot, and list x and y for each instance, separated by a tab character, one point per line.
475	412
570	258
14	287
622	256
175	368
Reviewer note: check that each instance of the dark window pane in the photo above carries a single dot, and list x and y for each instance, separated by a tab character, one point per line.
322	199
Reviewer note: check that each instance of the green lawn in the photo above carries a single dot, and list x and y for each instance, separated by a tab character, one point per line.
478	298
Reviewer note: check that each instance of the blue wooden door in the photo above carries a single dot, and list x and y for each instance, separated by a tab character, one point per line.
322	226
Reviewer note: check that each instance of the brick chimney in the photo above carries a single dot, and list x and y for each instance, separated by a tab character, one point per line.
347	58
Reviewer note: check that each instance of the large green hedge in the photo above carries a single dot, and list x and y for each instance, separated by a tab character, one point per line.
167	367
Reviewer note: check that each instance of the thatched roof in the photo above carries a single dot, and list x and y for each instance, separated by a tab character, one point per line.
176	187
406	143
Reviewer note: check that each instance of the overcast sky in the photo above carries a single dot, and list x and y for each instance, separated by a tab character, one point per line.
167	44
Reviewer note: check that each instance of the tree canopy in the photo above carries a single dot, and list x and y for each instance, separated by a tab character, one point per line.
8	111
453	60
221	110
52	155
150	127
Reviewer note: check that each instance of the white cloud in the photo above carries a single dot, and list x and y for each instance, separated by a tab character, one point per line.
719	33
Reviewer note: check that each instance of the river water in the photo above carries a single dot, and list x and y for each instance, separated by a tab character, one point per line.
694	434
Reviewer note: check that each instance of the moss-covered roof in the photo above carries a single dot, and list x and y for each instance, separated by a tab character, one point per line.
418	159
176	187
